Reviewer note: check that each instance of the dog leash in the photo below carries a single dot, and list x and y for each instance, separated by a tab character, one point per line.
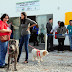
32	47
38	51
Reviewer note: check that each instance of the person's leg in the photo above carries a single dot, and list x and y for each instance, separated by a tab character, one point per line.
26	39
20	47
34	39
70	39
37	40
6	48
63	44
3	51
59	44
71	43
51	43
42	38
48	49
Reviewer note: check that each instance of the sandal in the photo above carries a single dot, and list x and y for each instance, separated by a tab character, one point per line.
25	62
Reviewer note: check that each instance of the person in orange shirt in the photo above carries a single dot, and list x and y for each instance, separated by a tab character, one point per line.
4	30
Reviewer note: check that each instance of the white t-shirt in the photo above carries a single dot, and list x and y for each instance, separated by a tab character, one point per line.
55	29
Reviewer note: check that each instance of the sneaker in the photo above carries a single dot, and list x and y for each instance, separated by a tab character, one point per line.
26	61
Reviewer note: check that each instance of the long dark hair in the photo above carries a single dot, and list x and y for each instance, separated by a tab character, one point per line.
62	24
25	16
3	16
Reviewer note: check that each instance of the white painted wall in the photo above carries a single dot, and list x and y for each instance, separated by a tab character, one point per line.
56	7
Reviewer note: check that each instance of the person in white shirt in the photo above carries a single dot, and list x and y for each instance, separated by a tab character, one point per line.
55	29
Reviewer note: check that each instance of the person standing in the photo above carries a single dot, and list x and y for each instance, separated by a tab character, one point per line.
55	29
35	35
50	37
3	45
26	24
42	32
61	37
69	31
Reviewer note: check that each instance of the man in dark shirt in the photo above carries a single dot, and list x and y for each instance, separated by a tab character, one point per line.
50	37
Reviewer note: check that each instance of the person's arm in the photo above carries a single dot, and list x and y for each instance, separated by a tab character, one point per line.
31	26
5	30
2	26
52	31
48	26
67	31
58	30
33	23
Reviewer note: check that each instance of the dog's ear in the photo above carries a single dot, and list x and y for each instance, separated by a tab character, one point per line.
44	53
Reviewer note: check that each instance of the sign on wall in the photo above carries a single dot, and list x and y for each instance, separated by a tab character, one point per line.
28	6
68	16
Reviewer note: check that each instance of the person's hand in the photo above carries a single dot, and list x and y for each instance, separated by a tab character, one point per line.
51	33
10	30
28	29
67	32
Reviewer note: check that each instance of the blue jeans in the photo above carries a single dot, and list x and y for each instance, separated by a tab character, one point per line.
3	51
24	40
70	39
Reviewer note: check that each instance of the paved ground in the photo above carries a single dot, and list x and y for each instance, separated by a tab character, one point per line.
54	62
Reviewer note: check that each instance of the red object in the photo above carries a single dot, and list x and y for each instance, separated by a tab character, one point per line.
38	51
3	26
56	35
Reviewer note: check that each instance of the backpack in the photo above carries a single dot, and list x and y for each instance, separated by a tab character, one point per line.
62	30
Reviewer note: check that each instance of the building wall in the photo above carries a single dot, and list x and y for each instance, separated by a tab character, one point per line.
56	7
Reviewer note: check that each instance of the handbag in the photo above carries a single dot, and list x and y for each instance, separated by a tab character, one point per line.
56	35
4	38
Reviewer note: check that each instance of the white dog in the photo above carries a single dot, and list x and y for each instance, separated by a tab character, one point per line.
38	54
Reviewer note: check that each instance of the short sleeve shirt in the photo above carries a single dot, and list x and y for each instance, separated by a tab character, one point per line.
3	26
70	29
